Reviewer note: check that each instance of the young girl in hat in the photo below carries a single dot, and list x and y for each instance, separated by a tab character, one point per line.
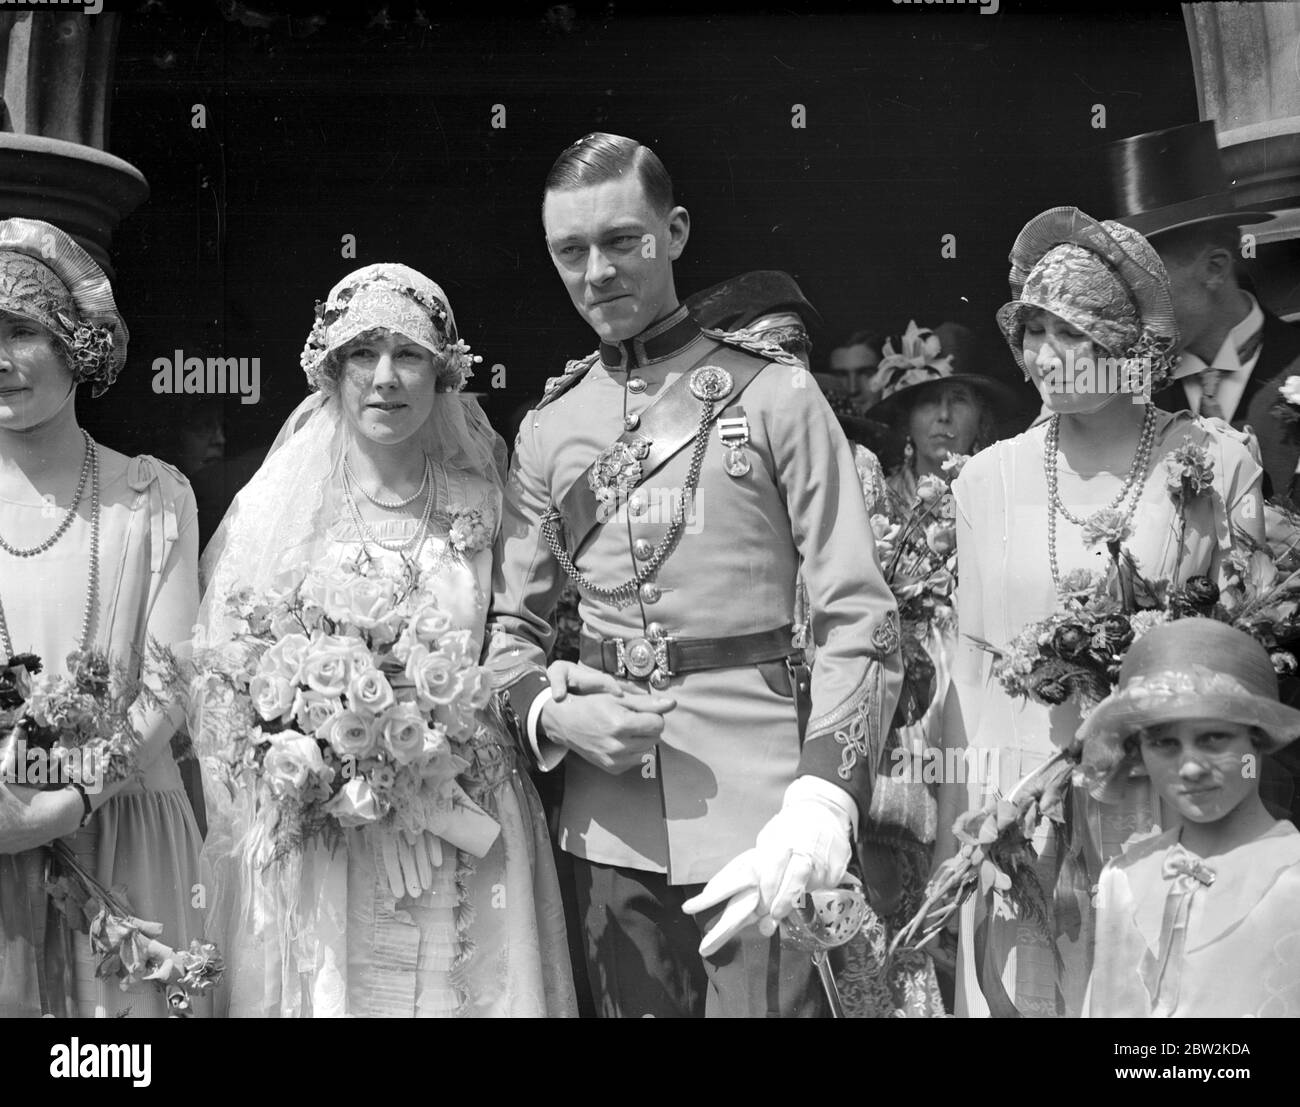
1030	511
1199	921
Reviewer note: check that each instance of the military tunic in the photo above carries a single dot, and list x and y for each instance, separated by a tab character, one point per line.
730	747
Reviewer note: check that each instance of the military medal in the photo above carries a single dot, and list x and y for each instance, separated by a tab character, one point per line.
734	432
710	383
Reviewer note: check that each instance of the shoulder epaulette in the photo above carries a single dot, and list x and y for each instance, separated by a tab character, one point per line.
751	343
573	373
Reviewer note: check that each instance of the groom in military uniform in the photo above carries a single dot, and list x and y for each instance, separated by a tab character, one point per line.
682	478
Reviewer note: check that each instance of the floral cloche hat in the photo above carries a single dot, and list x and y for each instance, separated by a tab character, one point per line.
1103	278
47	278
396	298
918	364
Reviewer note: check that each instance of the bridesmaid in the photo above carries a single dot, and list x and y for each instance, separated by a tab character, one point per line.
1085	291
97	551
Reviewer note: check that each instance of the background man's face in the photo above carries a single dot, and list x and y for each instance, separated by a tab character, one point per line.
849	371
1191	302
615	254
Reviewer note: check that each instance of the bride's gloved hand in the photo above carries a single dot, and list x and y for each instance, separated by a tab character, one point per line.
410	860
803	848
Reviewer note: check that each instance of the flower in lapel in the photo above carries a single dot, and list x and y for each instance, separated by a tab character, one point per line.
1287	408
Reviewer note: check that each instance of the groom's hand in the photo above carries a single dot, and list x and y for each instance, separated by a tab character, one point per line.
804	847
611	729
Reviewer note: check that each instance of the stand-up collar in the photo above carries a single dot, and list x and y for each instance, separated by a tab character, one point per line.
658	341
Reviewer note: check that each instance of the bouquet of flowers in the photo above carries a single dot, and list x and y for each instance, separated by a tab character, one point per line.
342	703
1075	654
130	949
76	729
917	546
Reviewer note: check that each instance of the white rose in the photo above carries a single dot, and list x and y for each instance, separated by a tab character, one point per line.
350	734
355	804
327	664
290	762
369	601
272	696
312	710
405	733
285	656
370	690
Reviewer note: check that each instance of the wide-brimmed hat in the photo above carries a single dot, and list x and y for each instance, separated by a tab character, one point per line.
1164	180
1186	669
1104	278
916	366
47	277
738	302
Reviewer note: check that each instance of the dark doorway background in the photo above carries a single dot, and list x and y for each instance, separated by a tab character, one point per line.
920	122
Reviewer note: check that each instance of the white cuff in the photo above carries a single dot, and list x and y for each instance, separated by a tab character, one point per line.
548	754
821	791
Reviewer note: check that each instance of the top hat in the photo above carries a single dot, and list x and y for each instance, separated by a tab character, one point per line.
1164	180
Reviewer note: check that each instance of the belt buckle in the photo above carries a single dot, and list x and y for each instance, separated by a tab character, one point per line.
642	657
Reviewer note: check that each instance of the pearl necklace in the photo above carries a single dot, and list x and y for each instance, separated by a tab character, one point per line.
40	548
92	586
392	505
368	536
1132	486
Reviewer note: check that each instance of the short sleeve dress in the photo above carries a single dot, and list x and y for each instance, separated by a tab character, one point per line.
1004	583
144	840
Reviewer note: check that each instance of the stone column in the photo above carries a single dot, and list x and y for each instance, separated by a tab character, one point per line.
56	77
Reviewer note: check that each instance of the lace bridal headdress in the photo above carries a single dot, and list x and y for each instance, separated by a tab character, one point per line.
278	521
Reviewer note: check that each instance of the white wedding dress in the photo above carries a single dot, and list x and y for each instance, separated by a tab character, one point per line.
486	939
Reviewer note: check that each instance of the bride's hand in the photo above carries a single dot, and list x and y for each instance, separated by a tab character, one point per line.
409	860
567	676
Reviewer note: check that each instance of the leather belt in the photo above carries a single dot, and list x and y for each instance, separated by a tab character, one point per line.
666	656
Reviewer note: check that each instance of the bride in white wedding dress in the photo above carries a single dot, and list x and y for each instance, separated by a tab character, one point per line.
388	463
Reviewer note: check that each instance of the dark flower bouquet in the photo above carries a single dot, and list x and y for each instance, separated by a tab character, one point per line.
76	729
917	546
61	730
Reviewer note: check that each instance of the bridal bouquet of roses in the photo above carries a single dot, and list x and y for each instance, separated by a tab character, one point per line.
342	702
917	545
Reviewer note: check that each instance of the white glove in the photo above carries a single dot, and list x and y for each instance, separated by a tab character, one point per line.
409	860
804	847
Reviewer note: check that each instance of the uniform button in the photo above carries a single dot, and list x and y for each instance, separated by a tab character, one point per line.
650	592
636	384
642	549
655	630
631	422
636	504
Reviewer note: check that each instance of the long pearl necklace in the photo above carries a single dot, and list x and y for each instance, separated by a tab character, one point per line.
1132	486
90	465
367	535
